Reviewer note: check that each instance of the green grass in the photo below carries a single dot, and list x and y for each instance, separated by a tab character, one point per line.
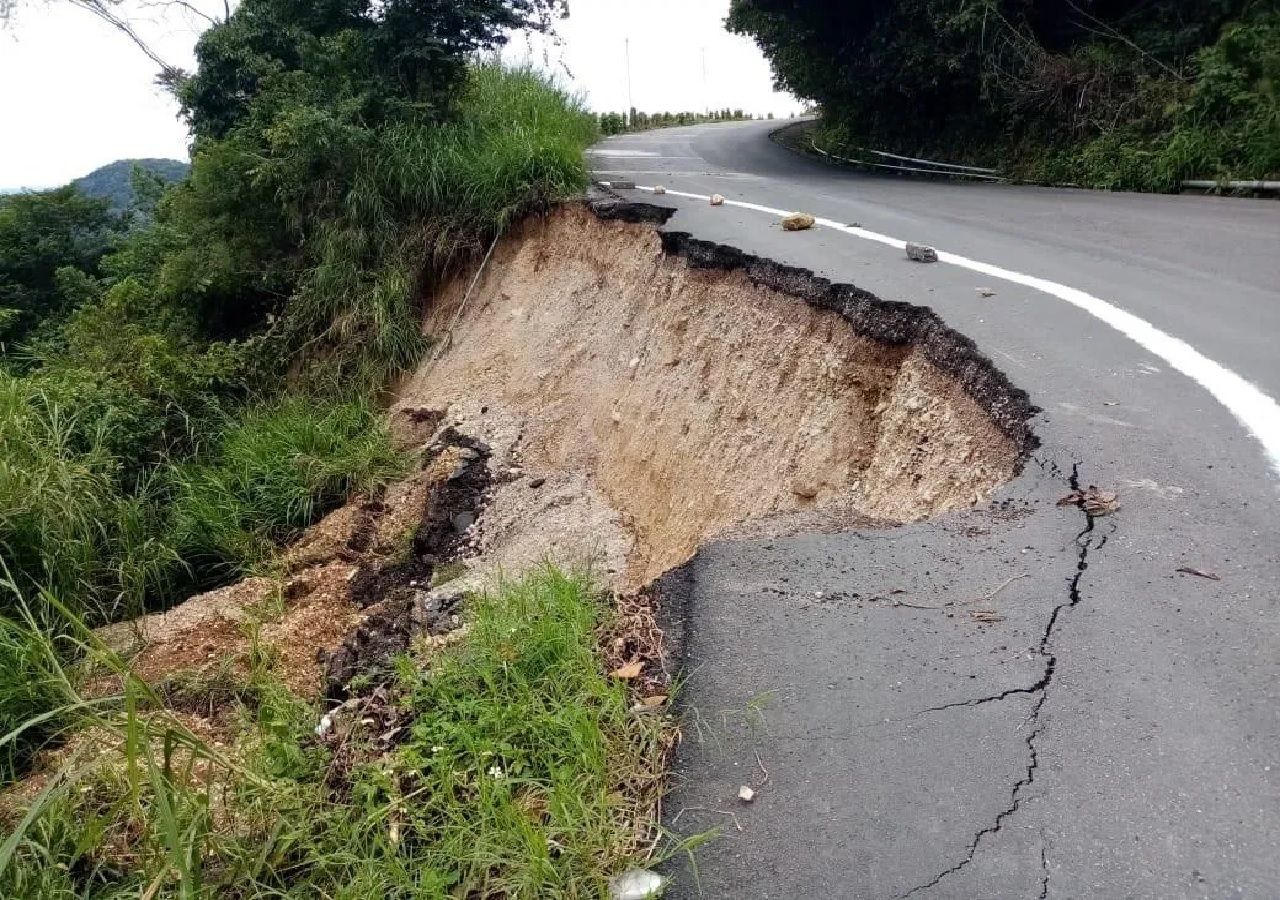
70	530
72	525
66	524
31	693
274	471
522	776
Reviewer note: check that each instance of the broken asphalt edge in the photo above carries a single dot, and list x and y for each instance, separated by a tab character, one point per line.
893	323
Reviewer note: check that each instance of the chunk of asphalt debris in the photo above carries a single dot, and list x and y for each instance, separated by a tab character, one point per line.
921	253
798	222
462	521
717	200
537	483
433	611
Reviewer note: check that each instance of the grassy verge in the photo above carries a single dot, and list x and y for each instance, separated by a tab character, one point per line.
516	769
274	471
72	525
71	528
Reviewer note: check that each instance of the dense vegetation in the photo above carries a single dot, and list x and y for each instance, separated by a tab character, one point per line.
1110	93
184	386
115	182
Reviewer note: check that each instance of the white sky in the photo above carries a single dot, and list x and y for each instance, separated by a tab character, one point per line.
75	94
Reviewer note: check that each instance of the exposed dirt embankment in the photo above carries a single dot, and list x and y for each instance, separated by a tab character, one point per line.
672	389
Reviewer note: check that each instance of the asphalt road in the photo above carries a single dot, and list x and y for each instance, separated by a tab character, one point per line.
1118	734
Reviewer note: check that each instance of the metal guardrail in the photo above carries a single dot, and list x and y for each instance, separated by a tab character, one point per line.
933	167
928	162
926	167
1206	184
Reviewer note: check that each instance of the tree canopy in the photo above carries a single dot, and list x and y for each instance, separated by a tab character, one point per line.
366	59
116	182
48	242
1167	86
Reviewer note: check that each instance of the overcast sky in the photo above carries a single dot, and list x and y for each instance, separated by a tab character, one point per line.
74	94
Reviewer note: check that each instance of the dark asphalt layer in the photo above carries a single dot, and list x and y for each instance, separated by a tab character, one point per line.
1118	734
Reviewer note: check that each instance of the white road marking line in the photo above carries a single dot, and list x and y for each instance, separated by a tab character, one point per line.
1255	410
670	173
636	154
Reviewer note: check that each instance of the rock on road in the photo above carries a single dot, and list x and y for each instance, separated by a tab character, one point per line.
1118	733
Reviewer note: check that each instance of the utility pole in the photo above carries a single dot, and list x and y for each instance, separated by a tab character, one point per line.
706	99
631	103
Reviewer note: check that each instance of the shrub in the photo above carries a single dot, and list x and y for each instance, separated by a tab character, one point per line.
45	238
339	228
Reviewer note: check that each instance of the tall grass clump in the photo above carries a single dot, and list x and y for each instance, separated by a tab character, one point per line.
70	526
272	472
66	524
31	692
417	198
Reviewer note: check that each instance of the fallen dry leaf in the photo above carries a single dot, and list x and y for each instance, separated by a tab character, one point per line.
1199	573
653	702
1093	500
629	671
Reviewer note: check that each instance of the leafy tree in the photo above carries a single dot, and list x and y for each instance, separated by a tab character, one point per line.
311	200
50	246
1095	91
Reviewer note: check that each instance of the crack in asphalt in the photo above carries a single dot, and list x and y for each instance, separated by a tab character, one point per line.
1085	545
994	698
1044	866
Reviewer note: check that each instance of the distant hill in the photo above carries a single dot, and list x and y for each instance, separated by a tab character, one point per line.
114	181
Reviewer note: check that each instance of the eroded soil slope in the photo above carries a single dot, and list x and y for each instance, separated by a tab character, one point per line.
684	395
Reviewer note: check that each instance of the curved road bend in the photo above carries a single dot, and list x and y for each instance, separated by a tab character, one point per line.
1118	734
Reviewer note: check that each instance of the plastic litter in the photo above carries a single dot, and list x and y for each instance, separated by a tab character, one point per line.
637	884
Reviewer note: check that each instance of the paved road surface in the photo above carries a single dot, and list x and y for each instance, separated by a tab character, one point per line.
1118	735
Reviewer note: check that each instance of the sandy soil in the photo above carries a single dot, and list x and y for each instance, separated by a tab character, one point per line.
685	401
